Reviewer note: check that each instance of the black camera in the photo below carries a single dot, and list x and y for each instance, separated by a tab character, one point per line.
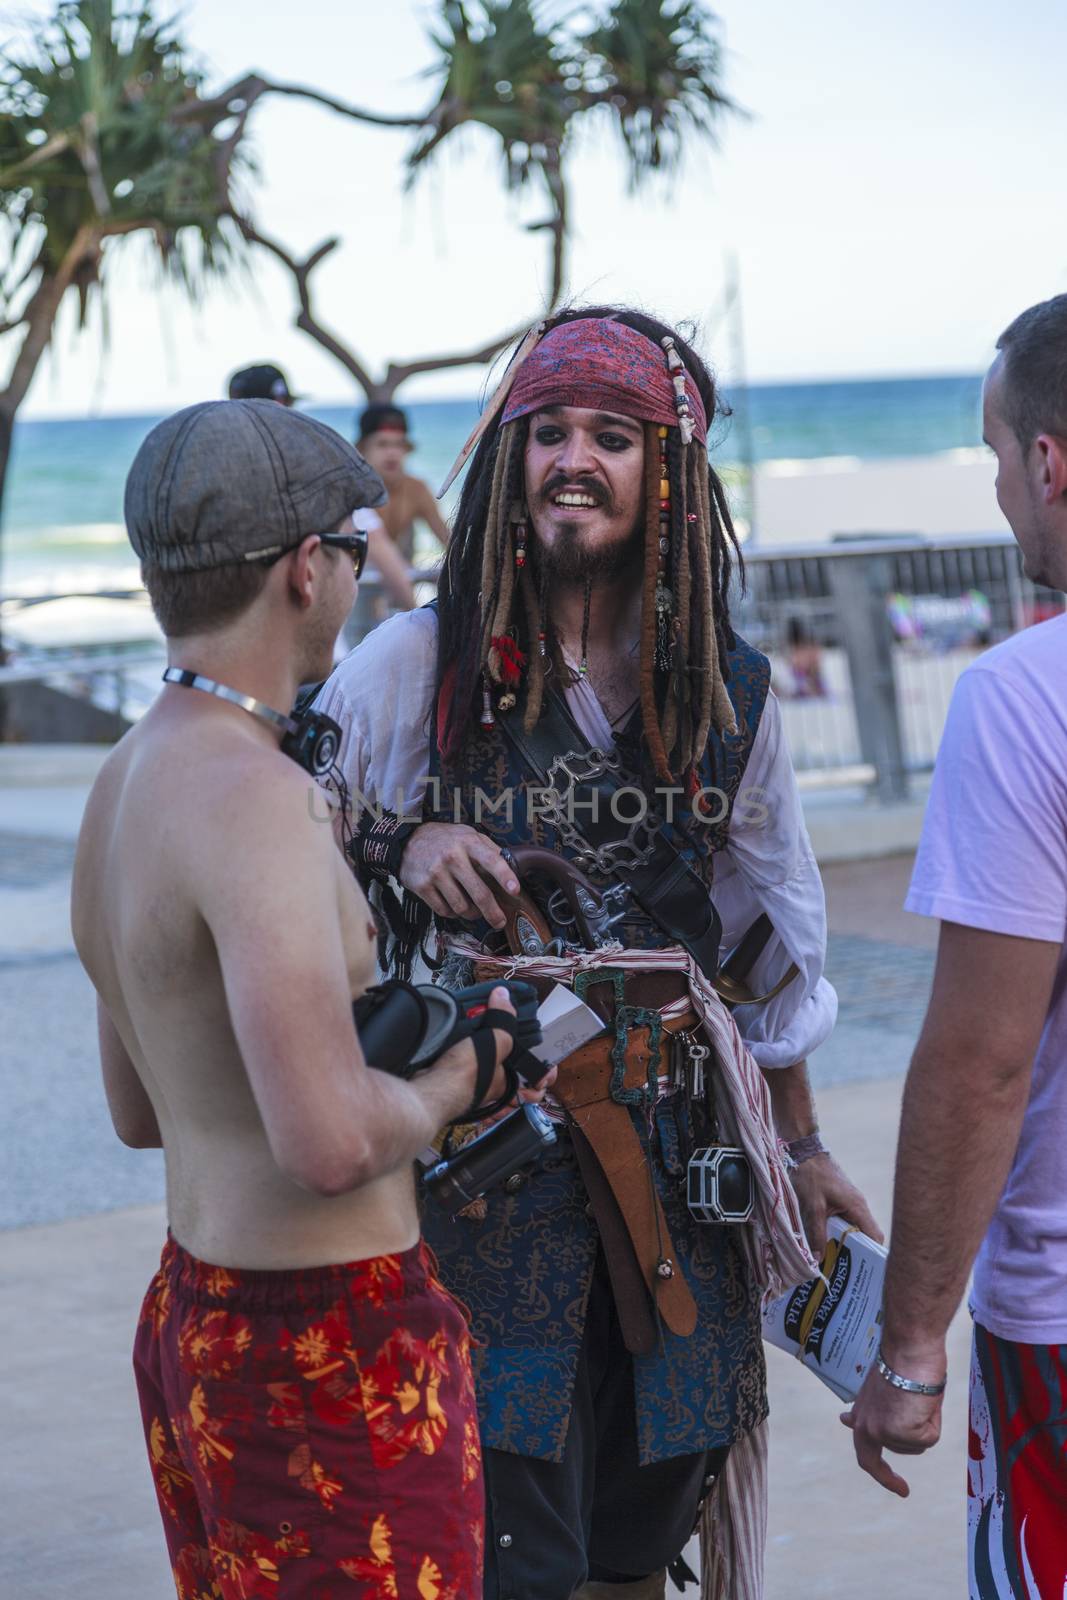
504	1149
313	740
404	1027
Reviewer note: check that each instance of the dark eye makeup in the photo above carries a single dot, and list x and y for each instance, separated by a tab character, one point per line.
548	434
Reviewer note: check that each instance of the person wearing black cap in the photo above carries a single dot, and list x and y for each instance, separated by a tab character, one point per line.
226	940
264	381
383	441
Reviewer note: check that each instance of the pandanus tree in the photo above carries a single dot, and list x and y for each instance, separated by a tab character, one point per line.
651	68
91	153
107	132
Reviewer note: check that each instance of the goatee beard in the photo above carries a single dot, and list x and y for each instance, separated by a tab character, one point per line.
568	562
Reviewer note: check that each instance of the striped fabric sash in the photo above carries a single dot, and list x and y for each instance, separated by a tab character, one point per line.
774	1241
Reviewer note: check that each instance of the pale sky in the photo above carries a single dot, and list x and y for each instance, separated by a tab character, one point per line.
894	199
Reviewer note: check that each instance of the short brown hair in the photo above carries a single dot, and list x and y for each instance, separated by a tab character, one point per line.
199	602
1035	371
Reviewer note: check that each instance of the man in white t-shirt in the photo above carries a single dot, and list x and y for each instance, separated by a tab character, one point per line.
982	1161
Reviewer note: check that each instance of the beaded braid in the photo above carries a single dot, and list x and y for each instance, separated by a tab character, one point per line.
534	629
498	588
496	569
718	520
647	661
695	696
677	726
715	703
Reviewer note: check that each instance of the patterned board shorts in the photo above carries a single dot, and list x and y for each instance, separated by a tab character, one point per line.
1017	1470
312	1433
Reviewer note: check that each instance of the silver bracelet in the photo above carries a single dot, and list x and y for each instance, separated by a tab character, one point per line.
909	1385
803	1149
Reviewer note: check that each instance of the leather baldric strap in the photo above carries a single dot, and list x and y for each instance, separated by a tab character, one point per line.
662	882
632	1223
628	1288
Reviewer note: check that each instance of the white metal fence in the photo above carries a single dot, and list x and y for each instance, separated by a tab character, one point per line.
866	639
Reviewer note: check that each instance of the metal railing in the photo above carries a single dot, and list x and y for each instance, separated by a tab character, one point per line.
868	636
864	681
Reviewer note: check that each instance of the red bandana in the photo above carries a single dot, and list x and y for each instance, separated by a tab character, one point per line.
601	365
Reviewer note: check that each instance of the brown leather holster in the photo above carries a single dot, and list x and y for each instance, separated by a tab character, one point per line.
618	1178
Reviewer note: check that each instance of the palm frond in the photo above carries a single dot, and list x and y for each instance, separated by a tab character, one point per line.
499	68
87	137
656	66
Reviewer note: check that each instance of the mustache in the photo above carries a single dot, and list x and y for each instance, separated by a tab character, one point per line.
595	491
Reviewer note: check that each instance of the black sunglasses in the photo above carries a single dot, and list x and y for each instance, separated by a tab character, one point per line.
354	544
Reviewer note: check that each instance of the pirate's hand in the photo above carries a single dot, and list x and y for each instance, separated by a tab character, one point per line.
824	1191
440	864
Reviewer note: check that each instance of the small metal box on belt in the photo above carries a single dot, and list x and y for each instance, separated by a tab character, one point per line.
719	1186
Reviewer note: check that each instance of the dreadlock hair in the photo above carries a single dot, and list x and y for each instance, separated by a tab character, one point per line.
484	596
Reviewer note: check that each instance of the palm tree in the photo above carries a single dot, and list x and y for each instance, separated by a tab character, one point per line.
105	132
652	67
90	152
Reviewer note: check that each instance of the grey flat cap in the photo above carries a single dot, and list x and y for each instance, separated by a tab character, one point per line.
235	480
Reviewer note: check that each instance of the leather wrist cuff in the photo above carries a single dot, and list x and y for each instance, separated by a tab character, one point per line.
803	1149
378	844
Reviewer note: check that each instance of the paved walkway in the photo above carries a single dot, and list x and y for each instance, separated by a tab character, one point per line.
85	1228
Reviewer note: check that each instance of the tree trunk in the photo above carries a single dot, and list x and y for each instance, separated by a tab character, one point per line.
38	319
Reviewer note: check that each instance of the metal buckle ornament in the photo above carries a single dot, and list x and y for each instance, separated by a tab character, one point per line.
637	1017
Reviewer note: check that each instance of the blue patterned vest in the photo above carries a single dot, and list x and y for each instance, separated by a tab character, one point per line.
525	1270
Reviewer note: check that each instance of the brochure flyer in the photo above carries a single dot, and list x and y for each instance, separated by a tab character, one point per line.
834	1327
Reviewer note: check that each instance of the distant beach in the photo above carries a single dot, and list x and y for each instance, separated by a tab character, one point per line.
951	492
890	455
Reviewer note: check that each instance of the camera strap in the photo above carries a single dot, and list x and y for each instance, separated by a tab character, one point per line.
310	738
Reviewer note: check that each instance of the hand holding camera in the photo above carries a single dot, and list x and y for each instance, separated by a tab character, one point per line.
404	1028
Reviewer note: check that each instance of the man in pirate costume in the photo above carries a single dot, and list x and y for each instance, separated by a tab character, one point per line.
580	646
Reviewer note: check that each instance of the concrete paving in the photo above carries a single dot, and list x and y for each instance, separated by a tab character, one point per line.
82	1243
850	825
80	1514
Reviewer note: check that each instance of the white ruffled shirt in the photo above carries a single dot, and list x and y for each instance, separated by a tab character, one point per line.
382	697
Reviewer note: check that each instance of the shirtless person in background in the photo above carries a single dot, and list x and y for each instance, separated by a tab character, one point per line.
304	1378
383	440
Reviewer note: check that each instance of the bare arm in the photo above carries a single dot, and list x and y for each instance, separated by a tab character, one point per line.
392	568
333	1123
427	508
822	1188
131	1109
963	1108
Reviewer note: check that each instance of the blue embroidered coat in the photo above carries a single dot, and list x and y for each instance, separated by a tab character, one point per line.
525	1270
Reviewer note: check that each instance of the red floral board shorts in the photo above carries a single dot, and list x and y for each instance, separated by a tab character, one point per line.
312	1433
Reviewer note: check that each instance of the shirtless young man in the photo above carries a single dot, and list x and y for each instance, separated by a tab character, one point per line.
383	440
303	1376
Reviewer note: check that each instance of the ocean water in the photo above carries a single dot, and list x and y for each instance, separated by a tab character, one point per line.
62	519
